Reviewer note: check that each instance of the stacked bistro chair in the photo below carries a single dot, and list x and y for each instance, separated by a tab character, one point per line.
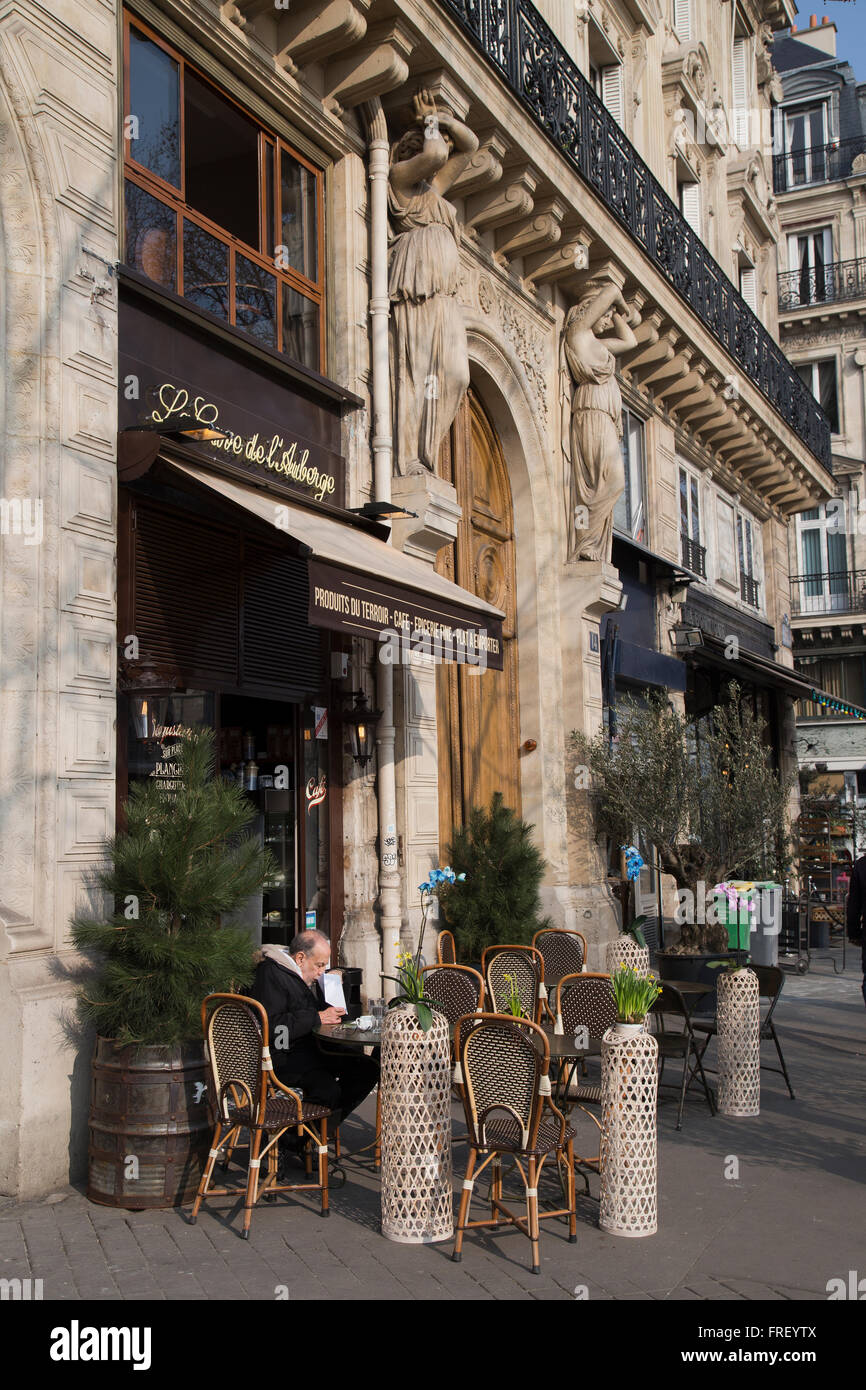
526	964
455	990
585	999
682	1040
563	952
509	1113
247	1095
446	948
770	981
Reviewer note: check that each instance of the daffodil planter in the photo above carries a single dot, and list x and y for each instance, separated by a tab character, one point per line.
739	1042
415	1088
628	1155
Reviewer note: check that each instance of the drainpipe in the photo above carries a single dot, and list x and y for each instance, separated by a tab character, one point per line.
390	897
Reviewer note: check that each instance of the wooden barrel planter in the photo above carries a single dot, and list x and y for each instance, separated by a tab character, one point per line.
149	1125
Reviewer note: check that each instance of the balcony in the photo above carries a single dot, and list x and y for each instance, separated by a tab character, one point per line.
836	591
833	283
694	556
750	591
817	164
531	61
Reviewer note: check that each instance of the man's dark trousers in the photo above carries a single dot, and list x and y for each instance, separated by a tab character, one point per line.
340	1082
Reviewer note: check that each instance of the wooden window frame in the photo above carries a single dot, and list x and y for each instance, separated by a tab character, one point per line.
175	200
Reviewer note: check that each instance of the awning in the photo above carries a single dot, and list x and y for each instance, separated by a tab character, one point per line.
750	666
362	586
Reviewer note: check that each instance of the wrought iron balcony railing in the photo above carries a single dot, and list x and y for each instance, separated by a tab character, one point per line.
835	591
694	556
817	164
750	590
527	55
823	284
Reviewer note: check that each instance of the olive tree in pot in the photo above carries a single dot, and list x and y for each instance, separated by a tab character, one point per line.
179	869
706	797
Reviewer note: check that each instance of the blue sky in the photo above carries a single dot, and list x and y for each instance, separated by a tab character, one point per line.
849	16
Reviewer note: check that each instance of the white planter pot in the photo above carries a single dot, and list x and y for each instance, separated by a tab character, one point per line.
628	1030
624	950
629	1173
738	1021
415	1087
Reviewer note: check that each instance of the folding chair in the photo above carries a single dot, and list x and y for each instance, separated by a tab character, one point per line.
509	1111
680	1043
770	982
247	1095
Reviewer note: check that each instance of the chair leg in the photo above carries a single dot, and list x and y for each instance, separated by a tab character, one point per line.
532	1214
572	1195
463	1214
323	1165
337	1143
207	1174
683	1089
252	1181
699	1061
775	1038
495	1187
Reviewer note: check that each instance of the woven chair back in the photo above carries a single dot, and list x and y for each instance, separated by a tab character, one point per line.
589	1000
234	1033
454	990
524	964
501	1069
446	949
562	951
770	980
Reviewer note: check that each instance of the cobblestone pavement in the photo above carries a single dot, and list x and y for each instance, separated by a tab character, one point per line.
770	1208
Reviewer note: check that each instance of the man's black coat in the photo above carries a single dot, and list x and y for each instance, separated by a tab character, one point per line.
857	901
292	1004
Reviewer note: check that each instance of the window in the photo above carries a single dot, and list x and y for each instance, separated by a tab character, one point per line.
684	23
690	205
806	139
748	532
694	554
218	209
820	377
823	584
840	677
612	91
629	516
749	286
809	254
741	59
606	71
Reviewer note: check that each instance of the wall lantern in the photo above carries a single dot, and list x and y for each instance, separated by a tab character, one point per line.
143	717
686	638
361	722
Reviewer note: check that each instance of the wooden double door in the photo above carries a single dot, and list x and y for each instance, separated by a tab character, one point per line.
477	712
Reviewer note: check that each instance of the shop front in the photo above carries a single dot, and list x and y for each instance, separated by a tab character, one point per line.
244	586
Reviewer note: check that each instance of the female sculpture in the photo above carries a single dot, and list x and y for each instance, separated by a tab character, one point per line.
430	361
591	436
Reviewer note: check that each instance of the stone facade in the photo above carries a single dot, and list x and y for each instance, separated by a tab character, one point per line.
533	236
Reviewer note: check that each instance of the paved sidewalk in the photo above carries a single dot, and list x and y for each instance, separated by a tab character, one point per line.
748	1209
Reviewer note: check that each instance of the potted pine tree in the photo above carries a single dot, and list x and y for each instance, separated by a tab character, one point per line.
183	864
499	900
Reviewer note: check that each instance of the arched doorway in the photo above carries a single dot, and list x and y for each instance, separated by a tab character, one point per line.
478	727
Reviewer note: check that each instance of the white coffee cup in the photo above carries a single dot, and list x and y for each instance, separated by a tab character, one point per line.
364	1022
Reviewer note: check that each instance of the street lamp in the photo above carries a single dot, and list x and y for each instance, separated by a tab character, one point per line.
361	722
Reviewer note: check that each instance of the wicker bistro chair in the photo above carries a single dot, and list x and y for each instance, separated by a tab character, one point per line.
446	948
583	999
680	1042
770	982
454	990
563	952
247	1095
526	964
504	1064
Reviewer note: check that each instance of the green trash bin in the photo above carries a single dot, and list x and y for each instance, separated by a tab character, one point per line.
738	916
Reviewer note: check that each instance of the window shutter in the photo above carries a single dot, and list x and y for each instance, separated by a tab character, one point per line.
749	287
683	19
741	91
612	91
690	205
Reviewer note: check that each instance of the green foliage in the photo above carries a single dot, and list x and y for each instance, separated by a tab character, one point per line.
182	865
706	797
499	900
635	994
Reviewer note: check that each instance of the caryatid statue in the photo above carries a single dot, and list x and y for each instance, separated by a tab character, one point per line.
592	419
429	355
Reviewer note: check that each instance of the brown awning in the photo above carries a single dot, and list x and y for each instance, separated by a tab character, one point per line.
751	666
362	586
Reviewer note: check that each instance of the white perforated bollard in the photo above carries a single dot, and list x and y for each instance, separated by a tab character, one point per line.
629	1169
738	1022
415	1084
624	950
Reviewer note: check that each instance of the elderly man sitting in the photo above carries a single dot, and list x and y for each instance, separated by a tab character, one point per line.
287	984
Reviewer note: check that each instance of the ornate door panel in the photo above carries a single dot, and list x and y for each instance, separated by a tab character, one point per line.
477	712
